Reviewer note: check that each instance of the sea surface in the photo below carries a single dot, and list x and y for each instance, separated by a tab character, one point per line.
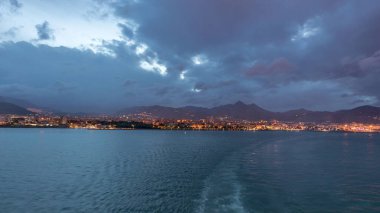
67	170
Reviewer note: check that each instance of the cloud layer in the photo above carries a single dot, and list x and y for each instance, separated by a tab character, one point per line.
321	55
44	31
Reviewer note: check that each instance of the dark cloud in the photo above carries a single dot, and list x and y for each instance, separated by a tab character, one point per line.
279	54
278	66
75	80
62	87
15	4
371	63
164	90
10	33
129	83
127	31
359	66
9	6
206	86
44	31
197	25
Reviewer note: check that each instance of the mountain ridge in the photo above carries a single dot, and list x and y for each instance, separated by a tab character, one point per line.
253	112
9	108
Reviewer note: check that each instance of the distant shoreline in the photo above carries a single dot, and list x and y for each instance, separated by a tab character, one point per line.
190	130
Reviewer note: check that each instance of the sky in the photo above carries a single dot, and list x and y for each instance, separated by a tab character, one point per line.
102	56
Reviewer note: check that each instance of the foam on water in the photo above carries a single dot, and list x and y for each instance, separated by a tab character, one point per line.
222	190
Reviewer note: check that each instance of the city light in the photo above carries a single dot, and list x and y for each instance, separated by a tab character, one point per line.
147	121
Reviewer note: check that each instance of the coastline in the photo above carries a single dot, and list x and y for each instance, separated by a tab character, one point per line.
184	130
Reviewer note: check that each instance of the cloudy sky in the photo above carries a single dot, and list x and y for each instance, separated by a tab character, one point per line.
100	56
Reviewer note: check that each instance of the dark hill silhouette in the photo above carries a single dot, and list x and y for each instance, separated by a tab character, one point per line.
8	108
18	102
252	112
242	111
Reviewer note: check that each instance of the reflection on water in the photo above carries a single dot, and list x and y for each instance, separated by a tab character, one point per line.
53	170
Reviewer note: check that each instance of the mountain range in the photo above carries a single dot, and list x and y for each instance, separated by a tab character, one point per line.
236	111
9	108
252	112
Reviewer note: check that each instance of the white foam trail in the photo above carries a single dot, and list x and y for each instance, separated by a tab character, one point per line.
237	205
204	198
222	190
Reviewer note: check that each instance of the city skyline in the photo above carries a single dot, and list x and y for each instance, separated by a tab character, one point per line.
102	56
239	112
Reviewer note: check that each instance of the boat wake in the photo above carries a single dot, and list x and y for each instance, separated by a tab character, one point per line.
222	190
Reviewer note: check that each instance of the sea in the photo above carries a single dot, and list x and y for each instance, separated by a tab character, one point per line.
78	170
